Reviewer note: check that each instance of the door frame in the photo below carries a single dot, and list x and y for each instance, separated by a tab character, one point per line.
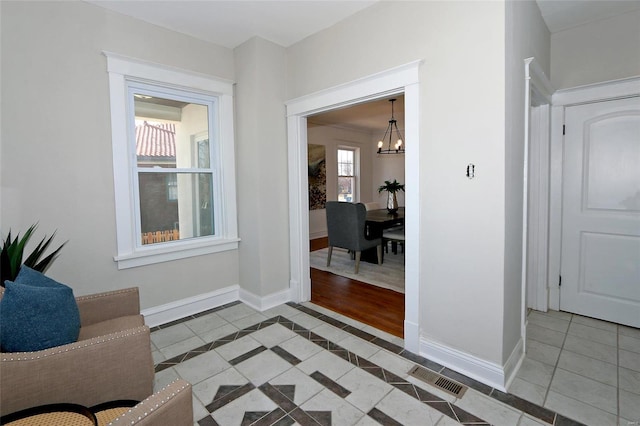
402	79
535	224
561	99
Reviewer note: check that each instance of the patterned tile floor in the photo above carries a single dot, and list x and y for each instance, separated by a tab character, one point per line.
304	365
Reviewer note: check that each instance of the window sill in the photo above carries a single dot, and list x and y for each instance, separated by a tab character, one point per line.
167	252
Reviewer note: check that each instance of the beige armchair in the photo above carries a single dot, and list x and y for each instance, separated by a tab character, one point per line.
169	406
110	361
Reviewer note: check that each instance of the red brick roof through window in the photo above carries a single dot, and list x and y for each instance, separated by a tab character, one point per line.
155	139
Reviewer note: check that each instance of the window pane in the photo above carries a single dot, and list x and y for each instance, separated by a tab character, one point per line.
345	169
345	189
345	162
171	133
204	158
175	206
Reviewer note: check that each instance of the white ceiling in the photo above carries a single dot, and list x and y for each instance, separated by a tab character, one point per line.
564	14
370	116
231	23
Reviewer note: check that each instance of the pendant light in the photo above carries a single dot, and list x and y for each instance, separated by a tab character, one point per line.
395	145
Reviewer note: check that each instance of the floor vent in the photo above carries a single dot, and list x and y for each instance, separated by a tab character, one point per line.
443	383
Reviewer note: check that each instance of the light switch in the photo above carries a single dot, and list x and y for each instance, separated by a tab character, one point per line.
471	170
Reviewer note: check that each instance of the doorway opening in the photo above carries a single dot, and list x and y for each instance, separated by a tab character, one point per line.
344	165
405	80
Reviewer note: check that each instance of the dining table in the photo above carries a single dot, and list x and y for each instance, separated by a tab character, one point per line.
376	222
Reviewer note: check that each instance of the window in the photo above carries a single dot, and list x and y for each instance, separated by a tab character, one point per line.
347	175
173	156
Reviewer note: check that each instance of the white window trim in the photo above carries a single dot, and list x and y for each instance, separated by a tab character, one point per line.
129	254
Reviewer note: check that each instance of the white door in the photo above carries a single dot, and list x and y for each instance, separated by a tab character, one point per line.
601	211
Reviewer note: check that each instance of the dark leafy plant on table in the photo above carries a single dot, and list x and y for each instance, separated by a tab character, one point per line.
392	188
12	253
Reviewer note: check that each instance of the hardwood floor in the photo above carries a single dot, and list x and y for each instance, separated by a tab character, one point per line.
375	306
319	243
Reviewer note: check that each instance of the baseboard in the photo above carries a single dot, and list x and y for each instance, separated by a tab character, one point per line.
318	234
513	363
411	337
262	303
471	366
163	314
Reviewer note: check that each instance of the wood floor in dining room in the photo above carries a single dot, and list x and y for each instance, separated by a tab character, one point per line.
375	306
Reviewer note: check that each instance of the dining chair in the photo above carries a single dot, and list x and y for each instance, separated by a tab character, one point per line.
395	236
346	229
372	206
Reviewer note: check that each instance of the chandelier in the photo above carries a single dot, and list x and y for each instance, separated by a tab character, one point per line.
398	144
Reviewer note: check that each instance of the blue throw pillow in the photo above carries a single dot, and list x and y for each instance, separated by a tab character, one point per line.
37	313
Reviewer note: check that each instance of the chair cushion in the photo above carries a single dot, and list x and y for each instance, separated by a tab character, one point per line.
37	313
394	235
110	326
51	414
107	412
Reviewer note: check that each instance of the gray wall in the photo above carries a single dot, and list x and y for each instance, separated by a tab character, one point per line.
462	101
56	141
261	167
526	36
608	49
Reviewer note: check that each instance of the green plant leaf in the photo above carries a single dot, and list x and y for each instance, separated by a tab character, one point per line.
16	250
38	251
44	263
391	187
12	252
5	264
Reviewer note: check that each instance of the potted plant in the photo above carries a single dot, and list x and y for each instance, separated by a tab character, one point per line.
12	252
392	188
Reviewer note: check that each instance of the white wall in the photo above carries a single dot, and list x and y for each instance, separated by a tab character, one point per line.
261	144
462	101
333	137
56	141
603	50
386	167
526	36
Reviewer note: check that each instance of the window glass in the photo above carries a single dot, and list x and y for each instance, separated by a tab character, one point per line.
173	168
346	175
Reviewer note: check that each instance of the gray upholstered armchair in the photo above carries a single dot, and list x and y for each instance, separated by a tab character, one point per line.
346	229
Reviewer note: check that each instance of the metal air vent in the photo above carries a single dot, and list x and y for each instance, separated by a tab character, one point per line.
443	383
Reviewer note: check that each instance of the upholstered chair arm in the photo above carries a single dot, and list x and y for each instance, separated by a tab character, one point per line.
116	366
170	406
100	307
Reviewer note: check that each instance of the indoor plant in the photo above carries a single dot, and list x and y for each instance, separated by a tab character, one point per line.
392	188
12	251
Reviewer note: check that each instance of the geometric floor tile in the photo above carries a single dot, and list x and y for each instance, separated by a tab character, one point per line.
277	371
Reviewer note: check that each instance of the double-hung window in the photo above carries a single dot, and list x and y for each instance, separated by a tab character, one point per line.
347	174
174	177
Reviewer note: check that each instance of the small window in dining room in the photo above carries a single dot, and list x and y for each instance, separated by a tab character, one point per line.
347	175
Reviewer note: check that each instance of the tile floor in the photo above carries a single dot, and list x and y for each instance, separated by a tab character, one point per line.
302	364
583	368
